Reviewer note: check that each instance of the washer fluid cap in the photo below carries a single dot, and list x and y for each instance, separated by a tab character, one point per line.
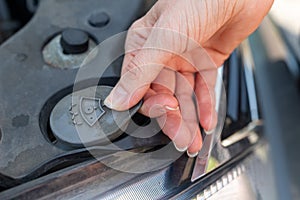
81	119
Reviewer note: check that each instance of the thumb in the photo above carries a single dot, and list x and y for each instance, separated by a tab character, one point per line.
140	72
133	84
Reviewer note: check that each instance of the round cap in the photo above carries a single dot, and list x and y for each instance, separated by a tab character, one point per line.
99	19
74	41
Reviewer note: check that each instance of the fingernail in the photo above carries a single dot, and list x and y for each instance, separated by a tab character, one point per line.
172	109
209	132
116	98
192	155
107	102
180	149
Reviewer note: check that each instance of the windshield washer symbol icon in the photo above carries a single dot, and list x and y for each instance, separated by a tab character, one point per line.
91	110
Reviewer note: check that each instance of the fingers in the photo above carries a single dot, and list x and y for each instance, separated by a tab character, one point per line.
164	106
184	94
196	145
182	125
165	82
174	127
205	93
160	98
158	104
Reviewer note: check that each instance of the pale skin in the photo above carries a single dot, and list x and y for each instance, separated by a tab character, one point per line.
172	54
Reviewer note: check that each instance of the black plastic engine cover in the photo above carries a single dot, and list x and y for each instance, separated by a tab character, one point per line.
29	88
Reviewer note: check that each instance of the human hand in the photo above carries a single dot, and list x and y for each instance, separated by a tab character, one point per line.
171	60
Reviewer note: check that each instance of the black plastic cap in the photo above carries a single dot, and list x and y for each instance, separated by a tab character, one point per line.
99	19
74	41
